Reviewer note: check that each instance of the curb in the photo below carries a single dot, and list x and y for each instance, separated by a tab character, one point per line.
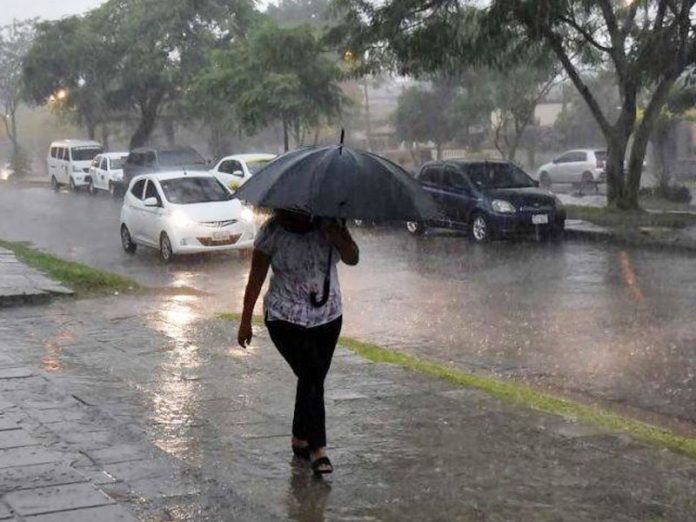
634	241
39	298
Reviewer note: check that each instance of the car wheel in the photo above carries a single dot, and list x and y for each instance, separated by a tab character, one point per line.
127	241
587	183
415	227
166	253
545	180
480	230
71	184
54	184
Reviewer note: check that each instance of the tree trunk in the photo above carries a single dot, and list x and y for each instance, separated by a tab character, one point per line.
169	131
106	135
663	161
286	138
368	123
616	152
148	119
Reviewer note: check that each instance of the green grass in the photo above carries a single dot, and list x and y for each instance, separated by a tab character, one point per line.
629	220
84	280
519	394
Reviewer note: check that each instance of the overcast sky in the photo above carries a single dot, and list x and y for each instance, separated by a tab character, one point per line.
45	9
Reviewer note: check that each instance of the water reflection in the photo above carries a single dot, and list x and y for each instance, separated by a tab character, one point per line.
307	496
629	277
52	360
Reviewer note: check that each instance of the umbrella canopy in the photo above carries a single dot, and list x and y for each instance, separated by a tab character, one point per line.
339	182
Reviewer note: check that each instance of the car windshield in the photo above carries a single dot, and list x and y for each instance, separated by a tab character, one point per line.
85	154
186	191
498	175
117	163
255	166
180	157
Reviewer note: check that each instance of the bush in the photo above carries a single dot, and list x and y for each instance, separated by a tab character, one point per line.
673	193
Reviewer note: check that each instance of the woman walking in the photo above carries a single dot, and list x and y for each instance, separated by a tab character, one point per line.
302	311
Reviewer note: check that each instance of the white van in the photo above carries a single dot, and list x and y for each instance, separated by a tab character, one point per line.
69	161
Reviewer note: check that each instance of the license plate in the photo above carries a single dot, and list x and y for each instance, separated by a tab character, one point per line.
221	236
540	219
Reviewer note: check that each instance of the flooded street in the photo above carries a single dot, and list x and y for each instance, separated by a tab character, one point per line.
595	321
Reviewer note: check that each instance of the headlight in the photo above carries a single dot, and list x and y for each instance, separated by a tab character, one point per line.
247	215
502	206
180	219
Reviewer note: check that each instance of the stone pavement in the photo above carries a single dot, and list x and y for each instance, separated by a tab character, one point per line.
144	407
21	284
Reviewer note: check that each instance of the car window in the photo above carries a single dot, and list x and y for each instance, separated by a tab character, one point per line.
85	153
137	189
104	164
493	175
230	166
117	163
255	166
565	158
61	153
151	192
185	191
149	158
454	179
580	156
54	152
432	175
95	162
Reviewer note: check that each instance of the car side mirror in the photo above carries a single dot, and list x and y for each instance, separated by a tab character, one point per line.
151	202
238	173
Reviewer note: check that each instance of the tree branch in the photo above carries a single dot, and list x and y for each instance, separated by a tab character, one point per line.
588	36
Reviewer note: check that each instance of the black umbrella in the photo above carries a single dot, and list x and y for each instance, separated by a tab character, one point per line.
339	182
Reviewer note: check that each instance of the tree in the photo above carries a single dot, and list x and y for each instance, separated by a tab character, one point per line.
276	75
647	43
299	12
15	40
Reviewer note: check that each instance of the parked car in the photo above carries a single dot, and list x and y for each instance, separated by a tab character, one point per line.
106	172
145	160
234	171
489	198
68	162
582	167
183	213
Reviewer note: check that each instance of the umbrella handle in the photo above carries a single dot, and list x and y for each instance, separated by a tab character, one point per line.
316	302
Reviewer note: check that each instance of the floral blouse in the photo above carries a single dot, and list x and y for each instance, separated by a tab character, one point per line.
299	262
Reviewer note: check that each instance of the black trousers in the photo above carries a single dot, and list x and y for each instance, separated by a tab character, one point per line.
308	351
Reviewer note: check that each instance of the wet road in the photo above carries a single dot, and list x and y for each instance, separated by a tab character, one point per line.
597	321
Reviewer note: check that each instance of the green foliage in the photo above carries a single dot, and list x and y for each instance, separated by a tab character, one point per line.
292	13
275	75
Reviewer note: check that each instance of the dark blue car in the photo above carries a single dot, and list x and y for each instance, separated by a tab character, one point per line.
489	198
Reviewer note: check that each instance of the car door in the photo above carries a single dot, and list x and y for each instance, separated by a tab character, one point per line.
457	196
152	216
51	161
94	170
61	169
134	201
560	173
431	178
103	173
576	166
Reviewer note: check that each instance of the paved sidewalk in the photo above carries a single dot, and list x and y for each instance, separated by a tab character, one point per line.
21	284
151	401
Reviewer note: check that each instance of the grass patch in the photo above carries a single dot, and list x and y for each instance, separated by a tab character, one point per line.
629	220
517	393
84	280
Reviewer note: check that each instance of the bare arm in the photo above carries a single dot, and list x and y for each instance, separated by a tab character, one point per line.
257	275
339	236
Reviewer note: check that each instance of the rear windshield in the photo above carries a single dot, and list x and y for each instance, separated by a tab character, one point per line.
601	155
180	157
185	191
117	163
85	153
498	175
255	166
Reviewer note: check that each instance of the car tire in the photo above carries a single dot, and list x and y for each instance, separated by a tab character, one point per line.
71	184
417	228
587	183
127	241
480	229
545	180
166	253
54	184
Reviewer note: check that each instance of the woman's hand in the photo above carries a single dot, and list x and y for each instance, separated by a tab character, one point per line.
337	234
244	334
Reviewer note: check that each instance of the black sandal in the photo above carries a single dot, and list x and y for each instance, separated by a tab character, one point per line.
301	452
319	466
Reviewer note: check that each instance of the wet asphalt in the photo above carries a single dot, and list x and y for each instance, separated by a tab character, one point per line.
594	321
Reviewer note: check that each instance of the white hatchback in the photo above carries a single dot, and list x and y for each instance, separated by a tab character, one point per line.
582	167
180	213
234	171
106	172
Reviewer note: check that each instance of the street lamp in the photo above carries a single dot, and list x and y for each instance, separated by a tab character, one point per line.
61	94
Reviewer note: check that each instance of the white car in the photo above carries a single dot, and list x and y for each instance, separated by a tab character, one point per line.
583	167
106	172
183	213
234	171
68	162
